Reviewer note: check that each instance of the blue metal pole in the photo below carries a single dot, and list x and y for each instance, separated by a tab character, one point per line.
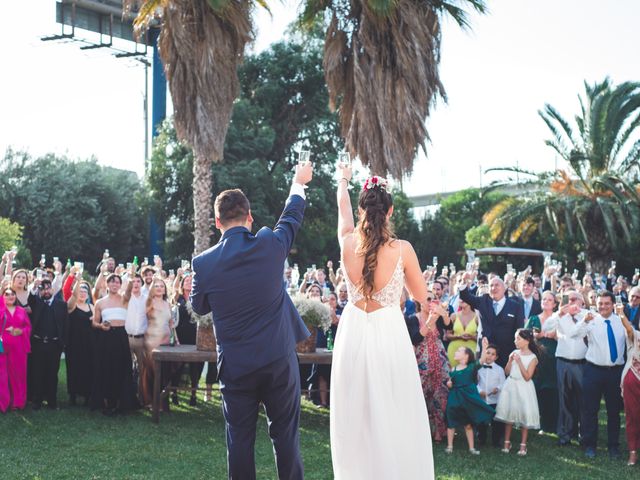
158	114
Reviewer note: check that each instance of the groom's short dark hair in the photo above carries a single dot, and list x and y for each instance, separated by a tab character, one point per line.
231	206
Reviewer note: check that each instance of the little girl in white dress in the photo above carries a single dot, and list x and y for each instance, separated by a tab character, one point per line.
518	404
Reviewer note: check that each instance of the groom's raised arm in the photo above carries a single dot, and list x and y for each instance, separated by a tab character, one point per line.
291	219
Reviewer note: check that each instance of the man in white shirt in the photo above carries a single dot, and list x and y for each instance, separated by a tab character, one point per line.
606	339
147	278
570	361
136	324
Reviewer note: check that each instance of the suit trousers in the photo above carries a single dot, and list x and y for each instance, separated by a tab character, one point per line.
497	431
570	398
277	386
596	382
136	345
45	362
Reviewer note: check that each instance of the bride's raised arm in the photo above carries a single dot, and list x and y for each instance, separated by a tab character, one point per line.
345	212
413	275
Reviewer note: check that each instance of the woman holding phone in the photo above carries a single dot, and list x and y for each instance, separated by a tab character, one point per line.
546	381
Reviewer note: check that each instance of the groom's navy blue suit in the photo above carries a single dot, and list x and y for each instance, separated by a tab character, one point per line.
257	327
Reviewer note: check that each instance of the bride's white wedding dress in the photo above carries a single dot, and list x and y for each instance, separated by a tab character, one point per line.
379	421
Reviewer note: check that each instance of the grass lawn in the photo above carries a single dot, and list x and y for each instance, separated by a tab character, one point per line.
189	442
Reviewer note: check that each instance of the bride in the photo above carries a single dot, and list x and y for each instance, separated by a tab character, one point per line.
379	422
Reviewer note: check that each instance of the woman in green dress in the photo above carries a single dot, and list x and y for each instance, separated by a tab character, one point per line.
545	379
465	407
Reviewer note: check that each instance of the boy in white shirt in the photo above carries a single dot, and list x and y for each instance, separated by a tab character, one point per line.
491	378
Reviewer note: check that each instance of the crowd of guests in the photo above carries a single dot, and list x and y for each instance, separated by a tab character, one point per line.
106	331
549	348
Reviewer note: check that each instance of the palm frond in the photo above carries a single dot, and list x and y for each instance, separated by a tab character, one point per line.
624	100
597	154
552	113
608	222
311	10
622	138
458	14
557	143
518	170
632	159
552	219
568	220
622	216
581	225
148	11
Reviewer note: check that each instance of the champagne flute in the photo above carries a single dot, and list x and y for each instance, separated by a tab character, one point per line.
344	158
304	156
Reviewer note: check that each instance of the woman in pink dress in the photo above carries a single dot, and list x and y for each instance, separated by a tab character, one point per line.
15	330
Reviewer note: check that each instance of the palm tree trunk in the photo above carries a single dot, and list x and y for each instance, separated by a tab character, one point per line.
202	193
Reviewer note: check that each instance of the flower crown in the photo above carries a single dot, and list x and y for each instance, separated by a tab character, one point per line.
375	182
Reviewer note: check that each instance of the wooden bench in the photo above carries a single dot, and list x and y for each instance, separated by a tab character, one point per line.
188	353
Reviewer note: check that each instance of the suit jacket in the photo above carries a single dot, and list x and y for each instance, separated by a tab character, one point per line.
636	318
536	307
39	311
240	280
499	329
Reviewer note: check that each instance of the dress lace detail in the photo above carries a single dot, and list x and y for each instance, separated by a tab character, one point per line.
388	295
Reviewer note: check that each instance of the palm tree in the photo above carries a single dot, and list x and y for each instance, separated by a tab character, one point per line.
596	202
381	67
201	44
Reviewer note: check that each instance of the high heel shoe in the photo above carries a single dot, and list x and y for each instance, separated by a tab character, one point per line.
523	450
448	450
633	458
507	447
473	451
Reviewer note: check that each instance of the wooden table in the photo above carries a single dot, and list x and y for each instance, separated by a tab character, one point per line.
188	353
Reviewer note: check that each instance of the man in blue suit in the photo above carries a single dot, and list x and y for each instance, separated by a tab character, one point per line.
500	316
240	280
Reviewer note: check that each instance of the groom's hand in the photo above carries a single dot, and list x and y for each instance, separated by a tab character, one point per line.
304	173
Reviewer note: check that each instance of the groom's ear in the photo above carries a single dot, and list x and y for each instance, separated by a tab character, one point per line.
218	223
249	217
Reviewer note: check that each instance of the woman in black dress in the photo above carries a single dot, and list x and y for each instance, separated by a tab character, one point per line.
79	348
186	333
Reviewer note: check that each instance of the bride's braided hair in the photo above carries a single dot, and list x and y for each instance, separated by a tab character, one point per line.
373	230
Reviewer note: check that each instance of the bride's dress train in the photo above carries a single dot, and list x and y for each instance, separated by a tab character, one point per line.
379	421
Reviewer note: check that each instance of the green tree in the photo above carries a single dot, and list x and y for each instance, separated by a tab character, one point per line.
282	107
10	234
442	232
478	237
72	209
595	205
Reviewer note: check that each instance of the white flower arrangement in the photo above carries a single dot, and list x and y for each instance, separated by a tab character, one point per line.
204	320
313	312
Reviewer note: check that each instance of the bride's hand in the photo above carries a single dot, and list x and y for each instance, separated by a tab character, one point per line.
344	171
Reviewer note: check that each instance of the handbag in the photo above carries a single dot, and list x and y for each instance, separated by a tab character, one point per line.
4	323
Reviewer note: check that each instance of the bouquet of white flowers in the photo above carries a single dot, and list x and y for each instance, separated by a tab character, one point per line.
314	313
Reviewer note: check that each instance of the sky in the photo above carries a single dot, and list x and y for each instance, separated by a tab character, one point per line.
57	98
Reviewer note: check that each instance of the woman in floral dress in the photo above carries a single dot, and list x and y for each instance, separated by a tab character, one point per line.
433	363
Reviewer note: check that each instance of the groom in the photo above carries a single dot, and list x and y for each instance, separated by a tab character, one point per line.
240	280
